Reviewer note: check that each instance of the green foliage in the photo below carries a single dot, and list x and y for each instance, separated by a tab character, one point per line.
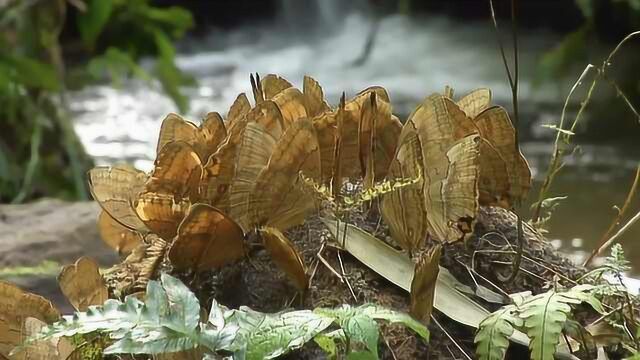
493	335
542	317
169	321
38	138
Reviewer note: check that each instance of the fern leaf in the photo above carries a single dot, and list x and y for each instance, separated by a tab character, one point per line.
266	336
544	317
492	338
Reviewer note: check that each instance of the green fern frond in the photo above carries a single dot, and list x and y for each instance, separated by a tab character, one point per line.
492	338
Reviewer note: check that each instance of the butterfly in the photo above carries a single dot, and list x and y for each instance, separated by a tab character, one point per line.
206	239
204	139
115	235
82	284
285	255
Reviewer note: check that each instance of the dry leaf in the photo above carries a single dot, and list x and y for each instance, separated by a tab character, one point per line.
285	255
115	189
423	285
82	284
207	239
118	237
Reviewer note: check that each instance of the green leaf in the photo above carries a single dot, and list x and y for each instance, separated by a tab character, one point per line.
145	341
117	64
168	73
266	336
31	73
492	338
380	313
184	313
91	22
544	317
328	342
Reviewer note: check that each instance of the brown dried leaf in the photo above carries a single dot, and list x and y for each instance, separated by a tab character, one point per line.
404	209
207	239
278	200
285	255
161	213
115	189
423	285
314	100
475	102
118	237
273	84
82	284
496	127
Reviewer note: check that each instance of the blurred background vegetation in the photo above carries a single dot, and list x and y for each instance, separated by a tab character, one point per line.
51	47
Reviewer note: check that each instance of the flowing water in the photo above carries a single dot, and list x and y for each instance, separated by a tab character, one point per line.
411	58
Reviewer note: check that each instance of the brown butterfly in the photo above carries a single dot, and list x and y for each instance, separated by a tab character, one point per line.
207	239
496	127
423	285
205	138
450	167
177	171
314	101
238	109
161	212
220	170
285	255
404	209
474	102
116	188
278	199
272	85
121	239
16	306
82	284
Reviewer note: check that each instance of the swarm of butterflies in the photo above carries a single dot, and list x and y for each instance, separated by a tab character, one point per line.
214	183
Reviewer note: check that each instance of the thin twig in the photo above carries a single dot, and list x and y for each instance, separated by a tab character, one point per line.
622	230
433	318
603	240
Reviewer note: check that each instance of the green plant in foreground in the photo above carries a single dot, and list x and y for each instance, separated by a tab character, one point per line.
169	321
542	317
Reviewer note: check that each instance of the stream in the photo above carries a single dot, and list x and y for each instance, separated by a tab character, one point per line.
411	58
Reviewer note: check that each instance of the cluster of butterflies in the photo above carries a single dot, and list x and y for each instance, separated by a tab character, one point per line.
214	183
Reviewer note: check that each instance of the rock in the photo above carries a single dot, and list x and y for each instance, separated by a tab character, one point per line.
51	229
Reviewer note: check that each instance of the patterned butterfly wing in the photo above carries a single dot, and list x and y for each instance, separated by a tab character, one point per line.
175	128
496	127
285	255
161	212
207	239
291	102
238	109
115	188
475	102
211	134
423	285
177	171
278	199
404	209
273	84
82	284
118	237
314	101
